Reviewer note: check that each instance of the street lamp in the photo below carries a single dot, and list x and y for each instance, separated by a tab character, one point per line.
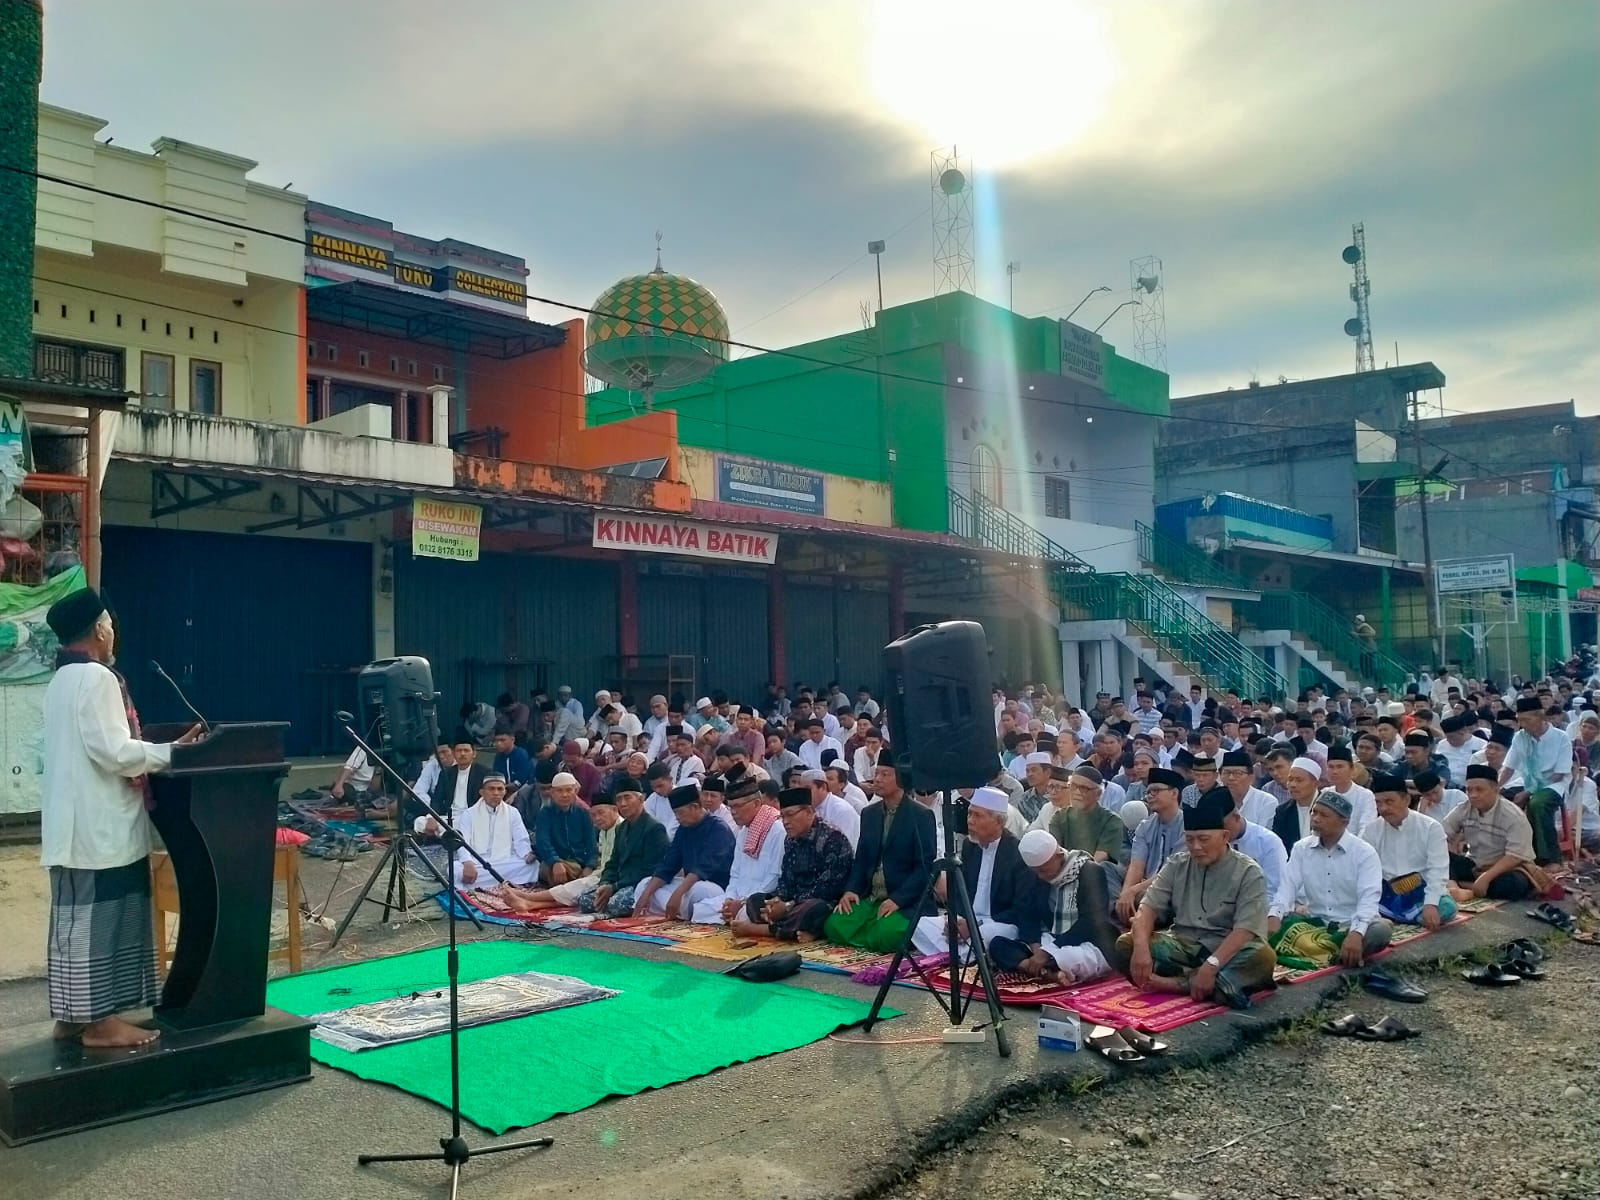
876	248
1012	268
1092	293
1114	312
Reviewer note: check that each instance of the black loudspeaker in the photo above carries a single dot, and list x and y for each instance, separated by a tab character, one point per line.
399	705
940	715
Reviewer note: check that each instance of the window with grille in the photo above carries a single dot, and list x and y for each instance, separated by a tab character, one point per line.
59	361
1057	497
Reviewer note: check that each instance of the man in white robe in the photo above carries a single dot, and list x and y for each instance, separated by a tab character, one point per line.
1003	908
757	858
495	830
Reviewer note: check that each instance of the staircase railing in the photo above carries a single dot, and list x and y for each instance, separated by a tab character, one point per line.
1175	627
1176	559
978	520
1330	630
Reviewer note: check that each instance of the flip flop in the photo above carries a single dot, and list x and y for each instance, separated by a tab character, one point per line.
1346	1026
1490	975
1387	1030
1586	938
1143	1042
1105	1039
1384	984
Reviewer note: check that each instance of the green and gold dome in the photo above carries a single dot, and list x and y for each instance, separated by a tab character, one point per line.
654	332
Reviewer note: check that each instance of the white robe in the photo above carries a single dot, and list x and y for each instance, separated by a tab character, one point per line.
748	876
499	835
931	935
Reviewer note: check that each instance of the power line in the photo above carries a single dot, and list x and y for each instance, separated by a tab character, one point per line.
586	310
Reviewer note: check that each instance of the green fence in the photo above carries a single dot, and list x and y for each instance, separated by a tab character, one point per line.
1179	630
1178	560
989	525
1330	630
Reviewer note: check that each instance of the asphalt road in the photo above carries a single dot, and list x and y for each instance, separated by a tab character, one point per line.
830	1119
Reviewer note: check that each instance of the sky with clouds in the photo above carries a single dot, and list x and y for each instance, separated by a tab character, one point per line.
770	139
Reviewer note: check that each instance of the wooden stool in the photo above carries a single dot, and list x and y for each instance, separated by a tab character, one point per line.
164	900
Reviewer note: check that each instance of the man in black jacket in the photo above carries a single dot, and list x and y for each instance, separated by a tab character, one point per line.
459	785
641	842
1007	897
893	857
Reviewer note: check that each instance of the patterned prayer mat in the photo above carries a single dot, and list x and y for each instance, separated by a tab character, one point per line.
424	1014
1403	934
1116	1002
1016	990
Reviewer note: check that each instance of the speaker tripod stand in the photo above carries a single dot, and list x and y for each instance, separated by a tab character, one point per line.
958	904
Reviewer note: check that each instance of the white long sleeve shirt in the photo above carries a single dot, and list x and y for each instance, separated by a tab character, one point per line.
1343	884
1418	845
811	752
1259	807
1363	807
1540	761
92	816
1458	758
495	831
759	874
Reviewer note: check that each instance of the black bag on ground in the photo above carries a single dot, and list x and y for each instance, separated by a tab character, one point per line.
767	968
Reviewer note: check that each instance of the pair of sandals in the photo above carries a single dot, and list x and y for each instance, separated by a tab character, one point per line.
1517	960
1124	1045
1557	918
1387	1029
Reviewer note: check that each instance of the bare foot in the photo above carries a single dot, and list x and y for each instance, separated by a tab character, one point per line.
115	1033
805	937
67	1031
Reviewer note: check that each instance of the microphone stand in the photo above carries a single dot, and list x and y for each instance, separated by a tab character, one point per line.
394	854
453	1150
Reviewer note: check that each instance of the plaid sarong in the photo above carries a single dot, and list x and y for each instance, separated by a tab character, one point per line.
101	956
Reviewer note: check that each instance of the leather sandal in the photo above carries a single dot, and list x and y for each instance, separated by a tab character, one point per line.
1109	1044
1143	1042
1490	975
1346	1026
1522	967
1551	915
1387	1030
1524	948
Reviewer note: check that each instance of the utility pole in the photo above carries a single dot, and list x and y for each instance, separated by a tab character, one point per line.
1429	583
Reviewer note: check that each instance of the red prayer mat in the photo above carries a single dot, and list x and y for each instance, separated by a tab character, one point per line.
1016	990
1117	1003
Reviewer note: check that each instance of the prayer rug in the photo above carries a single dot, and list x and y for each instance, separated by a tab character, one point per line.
1016	990
1403	934
424	1014
668	1022
725	947
1117	1003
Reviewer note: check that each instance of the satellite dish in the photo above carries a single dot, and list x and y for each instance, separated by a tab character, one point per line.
1352	327
952	182
1147	283
1351	255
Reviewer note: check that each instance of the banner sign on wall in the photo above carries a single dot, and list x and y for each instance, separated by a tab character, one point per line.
1082	354
445	529
769	485
694	539
1491	573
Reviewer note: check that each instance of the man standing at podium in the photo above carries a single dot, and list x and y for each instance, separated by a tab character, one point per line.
96	835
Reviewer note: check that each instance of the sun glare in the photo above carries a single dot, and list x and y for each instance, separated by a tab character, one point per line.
1007	81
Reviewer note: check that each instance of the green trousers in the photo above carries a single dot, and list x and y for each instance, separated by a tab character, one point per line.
863	927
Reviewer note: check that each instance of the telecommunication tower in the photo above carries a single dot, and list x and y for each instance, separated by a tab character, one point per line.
950	181
1360	325
1148	288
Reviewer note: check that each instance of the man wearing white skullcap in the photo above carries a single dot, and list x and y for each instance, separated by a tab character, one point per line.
1292	821
1077	936
1006	897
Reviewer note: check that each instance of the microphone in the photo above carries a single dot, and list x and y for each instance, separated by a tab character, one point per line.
343	717
173	684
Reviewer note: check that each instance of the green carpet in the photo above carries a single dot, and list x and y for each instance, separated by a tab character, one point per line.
670	1023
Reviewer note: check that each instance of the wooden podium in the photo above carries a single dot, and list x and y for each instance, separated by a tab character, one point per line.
216	810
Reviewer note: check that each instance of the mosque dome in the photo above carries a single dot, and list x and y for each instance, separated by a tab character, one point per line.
655	332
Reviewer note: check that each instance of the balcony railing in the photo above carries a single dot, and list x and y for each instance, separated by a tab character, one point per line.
1178	560
56	361
1330	630
989	525
1176	628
